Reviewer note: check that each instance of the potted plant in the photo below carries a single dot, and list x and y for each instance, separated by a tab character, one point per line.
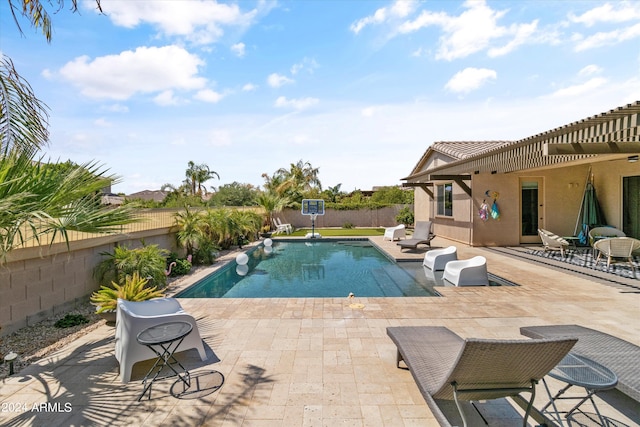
265	231
134	288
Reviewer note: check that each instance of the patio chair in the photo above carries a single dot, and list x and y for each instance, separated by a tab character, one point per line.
135	316
393	233
599	233
617	247
446	367
552	241
422	235
279	228
467	272
437	259
288	227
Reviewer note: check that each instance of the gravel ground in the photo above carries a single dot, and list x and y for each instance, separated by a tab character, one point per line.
35	342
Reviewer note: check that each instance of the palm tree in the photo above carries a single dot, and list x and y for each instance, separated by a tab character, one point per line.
190	234
300	177
272	203
37	200
197	175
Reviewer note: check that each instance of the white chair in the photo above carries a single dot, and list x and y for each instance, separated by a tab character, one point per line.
617	247
393	233
134	317
287	227
279	228
467	272
552	241
437	259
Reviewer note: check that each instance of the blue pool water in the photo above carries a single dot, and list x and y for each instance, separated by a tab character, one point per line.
303	269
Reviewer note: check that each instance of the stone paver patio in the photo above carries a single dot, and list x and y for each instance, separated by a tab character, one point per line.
319	362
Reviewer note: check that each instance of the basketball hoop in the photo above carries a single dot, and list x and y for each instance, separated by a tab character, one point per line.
313	208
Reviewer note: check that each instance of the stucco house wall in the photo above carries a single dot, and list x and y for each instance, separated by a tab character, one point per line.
561	196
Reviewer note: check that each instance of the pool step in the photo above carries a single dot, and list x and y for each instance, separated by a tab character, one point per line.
394	282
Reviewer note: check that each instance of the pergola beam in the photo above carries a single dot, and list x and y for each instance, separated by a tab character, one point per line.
424	185
563	149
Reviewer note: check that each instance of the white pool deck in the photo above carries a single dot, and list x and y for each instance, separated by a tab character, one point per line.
322	361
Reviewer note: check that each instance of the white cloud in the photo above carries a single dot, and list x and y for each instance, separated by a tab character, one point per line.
470	79
208	95
400	9
474	30
249	87
608	38
199	21
102	122
277	80
238	49
581	89
609	12
308	64
145	70
590	70
166	98
297	104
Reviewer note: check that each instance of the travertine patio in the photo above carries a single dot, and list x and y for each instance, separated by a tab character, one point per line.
319	362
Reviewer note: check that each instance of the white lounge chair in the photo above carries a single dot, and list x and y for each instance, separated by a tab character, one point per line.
288	227
393	233
467	272
437	259
617	247
279	228
134	317
552	241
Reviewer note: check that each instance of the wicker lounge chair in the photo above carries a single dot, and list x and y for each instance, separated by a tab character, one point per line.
621	356
447	367
422	235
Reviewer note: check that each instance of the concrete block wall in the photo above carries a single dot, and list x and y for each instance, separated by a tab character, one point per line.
383	217
36	283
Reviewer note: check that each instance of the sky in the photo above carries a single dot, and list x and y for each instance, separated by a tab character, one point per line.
358	88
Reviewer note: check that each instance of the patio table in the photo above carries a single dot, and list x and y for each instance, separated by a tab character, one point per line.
576	370
163	340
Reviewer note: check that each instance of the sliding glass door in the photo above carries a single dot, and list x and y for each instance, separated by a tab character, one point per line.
631	206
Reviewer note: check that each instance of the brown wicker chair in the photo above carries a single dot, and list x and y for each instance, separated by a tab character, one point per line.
447	367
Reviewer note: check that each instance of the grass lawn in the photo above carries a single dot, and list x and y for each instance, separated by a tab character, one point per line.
338	232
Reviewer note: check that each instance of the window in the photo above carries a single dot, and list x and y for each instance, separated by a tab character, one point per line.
445	199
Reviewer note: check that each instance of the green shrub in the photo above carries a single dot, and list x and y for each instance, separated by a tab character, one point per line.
147	261
347	225
405	216
181	267
134	288
71	320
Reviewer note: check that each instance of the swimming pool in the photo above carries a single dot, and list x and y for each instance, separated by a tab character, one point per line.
312	269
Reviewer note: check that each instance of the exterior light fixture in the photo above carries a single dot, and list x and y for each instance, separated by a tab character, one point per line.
632	159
